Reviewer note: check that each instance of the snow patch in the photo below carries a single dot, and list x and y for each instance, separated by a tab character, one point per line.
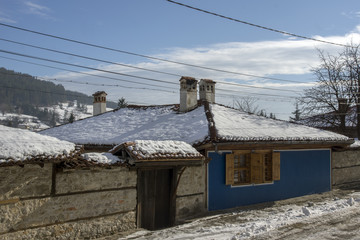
104	158
18	144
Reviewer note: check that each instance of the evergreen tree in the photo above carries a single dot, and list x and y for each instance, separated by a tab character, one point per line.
71	118
296	114
122	103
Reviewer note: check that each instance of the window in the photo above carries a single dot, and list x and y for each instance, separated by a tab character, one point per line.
252	167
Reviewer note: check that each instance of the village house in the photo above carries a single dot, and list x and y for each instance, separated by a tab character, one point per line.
50	188
250	159
155	166
341	121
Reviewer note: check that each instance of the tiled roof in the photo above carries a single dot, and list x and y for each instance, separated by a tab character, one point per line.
147	150
207	123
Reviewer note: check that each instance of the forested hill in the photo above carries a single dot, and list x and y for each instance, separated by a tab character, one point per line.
17	90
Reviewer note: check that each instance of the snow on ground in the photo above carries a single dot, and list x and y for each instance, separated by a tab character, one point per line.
25	121
234	125
65	109
291	218
130	124
18	144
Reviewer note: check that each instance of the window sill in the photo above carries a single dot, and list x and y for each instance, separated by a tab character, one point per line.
251	185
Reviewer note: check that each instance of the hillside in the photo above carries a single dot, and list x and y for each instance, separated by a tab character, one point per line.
62	113
22	94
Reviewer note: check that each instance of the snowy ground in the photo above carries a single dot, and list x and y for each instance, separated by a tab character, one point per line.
333	215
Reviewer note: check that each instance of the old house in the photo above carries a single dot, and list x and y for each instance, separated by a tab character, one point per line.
341	121
249	159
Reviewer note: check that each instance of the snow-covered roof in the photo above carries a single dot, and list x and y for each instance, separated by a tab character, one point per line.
159	150
233	125
19	145
133	123
159	123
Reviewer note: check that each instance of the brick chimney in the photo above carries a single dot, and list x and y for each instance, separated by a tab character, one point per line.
188	94
99	104
207	90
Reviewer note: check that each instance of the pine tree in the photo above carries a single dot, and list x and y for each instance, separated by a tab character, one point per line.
296	114
71	118
122	103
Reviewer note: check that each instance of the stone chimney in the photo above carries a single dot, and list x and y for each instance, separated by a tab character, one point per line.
188	94
99	105
207	90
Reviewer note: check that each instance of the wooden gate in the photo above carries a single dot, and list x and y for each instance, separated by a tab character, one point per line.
156	204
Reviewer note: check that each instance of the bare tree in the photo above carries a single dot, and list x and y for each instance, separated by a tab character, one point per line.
352	60
333	91
246	104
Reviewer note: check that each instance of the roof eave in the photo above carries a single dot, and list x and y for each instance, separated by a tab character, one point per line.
279	143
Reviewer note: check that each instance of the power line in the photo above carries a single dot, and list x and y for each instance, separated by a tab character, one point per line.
261	94
89	58
218	89
129	75
107	85
41	91
81	66
256	25
145	56
84	73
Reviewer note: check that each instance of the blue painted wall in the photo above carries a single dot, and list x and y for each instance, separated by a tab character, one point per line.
301	173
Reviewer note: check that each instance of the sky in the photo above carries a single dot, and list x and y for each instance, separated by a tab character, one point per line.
231	52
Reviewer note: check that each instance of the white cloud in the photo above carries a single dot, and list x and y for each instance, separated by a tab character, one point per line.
36	9
6	18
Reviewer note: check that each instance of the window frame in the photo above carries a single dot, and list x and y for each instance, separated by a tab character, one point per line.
261	167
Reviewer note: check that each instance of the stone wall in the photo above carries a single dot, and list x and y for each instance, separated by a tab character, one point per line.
346	168
41	202
190	197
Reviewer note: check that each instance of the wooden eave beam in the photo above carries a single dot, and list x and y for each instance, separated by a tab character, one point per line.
218	146
168	163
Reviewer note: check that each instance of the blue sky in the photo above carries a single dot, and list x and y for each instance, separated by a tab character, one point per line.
161	29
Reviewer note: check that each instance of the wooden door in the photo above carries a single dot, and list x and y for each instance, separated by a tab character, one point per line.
155	200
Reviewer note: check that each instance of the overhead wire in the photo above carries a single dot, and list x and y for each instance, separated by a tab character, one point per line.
89	58
86	67
100	76
130	75
85	73
257	25
145	56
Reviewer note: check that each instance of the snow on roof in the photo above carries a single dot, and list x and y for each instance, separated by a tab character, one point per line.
356	144
159	123
150	150
234	125
103	158
130	124
19	145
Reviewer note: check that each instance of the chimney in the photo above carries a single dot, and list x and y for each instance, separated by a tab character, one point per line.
207	90
99	105
188	94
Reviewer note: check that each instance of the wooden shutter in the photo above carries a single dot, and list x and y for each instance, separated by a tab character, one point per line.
276	165
257	168
229	174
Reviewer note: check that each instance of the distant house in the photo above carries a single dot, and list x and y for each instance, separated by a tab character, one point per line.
331	121
249	159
